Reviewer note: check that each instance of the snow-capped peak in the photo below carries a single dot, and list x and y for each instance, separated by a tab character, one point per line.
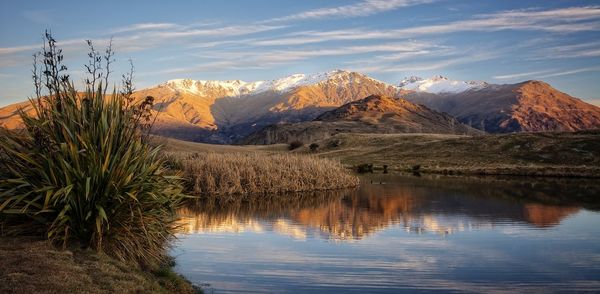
232	87
286	83
409	80
438	84
237	87
296	80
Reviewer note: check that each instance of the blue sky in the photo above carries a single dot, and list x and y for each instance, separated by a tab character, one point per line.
496	41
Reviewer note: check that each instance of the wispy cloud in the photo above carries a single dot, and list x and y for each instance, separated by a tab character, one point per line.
520	75
16	49
155	34
587	49
138	37
40	16
547	73
285	55
264	59
206	66
562	20
364	8
424	66
437	58
572	71
213	44
309	37
435	44
226	31
145	27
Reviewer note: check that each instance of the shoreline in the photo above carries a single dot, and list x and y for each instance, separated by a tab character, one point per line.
27	261
576	172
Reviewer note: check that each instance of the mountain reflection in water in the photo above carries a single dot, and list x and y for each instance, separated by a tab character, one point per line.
355	214
399	234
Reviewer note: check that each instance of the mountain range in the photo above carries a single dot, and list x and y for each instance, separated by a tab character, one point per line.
228	111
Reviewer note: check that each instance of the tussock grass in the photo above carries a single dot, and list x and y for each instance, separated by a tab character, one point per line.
255	173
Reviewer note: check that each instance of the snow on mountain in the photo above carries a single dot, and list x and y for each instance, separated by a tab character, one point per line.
201	87
238	87
438	84
287	83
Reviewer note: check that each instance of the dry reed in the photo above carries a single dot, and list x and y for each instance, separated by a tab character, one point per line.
211	174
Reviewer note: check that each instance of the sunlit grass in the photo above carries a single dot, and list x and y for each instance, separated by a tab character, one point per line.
259	173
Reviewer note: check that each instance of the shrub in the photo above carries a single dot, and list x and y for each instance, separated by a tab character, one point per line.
82	170
364	168
295	145
416	168
334	143
314	147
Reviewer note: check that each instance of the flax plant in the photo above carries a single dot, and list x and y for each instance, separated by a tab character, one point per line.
82	171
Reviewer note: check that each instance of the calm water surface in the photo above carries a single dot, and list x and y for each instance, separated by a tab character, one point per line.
400	234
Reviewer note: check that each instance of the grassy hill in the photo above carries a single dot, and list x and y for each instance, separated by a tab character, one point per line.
536	154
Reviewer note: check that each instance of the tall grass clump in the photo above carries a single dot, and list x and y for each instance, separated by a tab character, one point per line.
210	174
81	171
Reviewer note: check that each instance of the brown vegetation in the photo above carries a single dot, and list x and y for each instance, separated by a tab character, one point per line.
568	154
82	174
82	171
34	266
295	144
525	154
217	174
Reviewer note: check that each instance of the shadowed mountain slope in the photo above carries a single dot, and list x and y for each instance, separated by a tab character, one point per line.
530	106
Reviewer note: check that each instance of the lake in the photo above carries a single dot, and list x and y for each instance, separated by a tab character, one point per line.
400	234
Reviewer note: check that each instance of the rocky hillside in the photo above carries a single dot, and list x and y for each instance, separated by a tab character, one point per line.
373	114
9	115
531	106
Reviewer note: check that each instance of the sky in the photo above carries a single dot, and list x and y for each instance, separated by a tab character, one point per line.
495	41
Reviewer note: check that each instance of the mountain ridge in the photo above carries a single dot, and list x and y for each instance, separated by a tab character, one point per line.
226	111
528	106
283	84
